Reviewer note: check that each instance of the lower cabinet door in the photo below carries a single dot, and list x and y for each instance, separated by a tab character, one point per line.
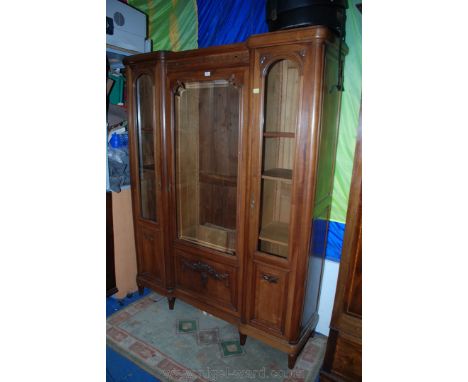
343	357
208	281
150	252
269	301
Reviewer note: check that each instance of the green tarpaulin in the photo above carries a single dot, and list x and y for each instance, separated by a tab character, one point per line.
350	104
172	24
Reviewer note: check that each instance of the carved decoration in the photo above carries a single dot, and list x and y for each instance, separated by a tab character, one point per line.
233	81
179	86
268	60
205	271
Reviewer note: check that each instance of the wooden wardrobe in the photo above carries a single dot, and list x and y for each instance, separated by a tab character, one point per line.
343	358
232	156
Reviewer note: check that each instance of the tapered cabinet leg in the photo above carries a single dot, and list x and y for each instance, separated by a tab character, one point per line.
171	302
141	290
292	360
242	338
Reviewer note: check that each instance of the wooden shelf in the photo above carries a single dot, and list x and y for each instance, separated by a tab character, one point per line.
281	174
148	167
278	134
275	232
222	180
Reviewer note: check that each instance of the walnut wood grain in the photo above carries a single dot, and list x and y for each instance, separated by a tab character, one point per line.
343	358
269	259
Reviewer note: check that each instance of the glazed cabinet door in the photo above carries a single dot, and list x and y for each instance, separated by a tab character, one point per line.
145	157
274	164
277	87
146	149
207	159
208	174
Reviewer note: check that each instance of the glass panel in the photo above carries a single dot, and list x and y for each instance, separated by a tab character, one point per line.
207	130
281	113
282	97
145	107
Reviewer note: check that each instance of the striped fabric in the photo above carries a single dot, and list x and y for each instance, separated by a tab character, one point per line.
172	24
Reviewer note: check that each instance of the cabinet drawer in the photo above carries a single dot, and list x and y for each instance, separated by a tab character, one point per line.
269	302
347	359
150	262
211	282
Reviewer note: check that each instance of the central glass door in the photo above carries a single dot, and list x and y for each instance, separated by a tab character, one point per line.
206	156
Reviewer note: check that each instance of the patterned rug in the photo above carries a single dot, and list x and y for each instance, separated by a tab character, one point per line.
189	345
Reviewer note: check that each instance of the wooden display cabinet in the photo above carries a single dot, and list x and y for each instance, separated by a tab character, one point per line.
343	358
232	155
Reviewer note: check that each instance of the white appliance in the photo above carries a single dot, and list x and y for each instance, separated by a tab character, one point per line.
125	32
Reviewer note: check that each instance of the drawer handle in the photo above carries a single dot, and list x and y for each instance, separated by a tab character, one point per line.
205	271
148	237
270	278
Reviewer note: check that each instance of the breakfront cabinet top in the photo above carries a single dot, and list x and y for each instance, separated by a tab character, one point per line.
308	34
192	53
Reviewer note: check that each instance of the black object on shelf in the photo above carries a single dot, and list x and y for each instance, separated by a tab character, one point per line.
286	14
109	26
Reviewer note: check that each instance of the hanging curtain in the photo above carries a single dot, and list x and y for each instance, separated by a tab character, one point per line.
226	22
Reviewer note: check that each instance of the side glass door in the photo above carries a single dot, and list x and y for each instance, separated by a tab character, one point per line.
146	147
278	141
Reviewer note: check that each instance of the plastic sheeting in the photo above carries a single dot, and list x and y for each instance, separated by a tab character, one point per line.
349	117
172	24
226	21
335	240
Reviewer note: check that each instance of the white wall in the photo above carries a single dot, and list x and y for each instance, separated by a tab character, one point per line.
327	296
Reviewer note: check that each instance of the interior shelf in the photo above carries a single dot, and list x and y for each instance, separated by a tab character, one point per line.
275	232
278	134
149	167
221	180
282	174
